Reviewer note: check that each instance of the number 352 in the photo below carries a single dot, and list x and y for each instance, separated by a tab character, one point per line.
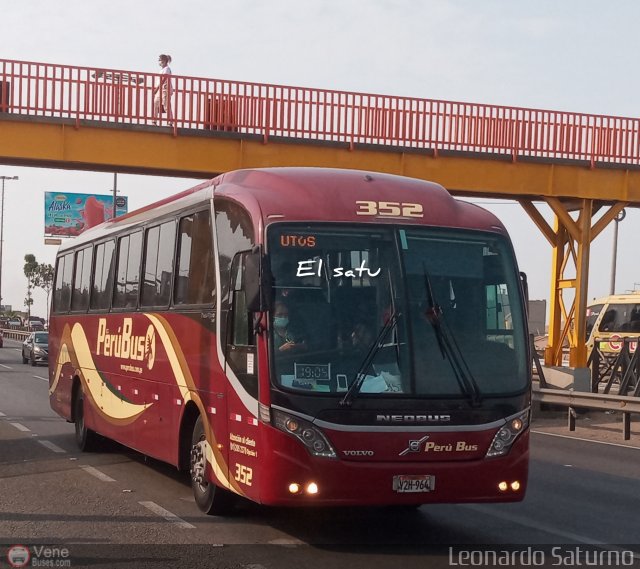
243	474
391	209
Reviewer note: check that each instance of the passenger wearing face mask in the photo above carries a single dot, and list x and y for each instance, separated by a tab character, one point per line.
287	336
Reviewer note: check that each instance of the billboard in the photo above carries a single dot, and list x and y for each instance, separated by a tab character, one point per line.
68	215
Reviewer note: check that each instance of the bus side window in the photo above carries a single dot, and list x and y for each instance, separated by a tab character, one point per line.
62	290
195	275
158	265
608	321
80	292
102	276
128	271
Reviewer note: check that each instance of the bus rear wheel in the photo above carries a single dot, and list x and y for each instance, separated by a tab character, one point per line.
211	499
86	439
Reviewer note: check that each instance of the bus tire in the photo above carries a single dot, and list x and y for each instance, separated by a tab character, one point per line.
86	439
211	499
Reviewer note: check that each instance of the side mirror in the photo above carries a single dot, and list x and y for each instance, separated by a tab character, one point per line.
257	280
250	273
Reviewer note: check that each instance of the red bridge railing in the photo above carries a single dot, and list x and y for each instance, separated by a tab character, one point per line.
126	97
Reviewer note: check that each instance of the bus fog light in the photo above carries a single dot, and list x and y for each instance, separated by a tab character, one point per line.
515	485
503	486
294	488
312	488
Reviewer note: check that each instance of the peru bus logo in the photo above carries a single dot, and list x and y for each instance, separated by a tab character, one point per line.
124	344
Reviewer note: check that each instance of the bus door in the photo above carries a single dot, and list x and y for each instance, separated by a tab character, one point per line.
242	373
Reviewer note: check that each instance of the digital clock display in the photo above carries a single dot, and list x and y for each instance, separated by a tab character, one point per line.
312	373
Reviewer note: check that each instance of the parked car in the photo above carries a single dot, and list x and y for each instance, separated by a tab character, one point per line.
1	340
35	349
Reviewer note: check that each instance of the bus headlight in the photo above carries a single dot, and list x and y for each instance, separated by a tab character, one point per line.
507	434
311	437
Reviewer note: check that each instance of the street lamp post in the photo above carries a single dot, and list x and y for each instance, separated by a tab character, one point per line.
614	256
3	178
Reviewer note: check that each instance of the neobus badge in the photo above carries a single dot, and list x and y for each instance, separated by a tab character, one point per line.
124	344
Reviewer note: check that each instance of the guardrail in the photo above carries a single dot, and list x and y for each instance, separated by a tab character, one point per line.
583	400
266	110
15	334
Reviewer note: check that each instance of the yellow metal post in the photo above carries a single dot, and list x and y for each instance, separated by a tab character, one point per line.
578	352
552	355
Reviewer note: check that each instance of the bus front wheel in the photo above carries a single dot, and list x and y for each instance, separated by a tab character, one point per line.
86	439
211	499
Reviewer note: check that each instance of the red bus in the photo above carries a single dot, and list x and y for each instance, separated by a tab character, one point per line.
301	336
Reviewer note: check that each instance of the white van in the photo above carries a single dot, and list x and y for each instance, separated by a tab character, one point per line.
612	318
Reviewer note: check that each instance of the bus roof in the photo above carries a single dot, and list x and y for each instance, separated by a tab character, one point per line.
313	194
627	298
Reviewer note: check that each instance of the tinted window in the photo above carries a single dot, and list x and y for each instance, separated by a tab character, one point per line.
621	318
592	315
158	265
80	294
62	292
195	277
234	234
128	271
102	276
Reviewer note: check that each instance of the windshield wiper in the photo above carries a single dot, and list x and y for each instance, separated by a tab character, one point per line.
374	348
449	347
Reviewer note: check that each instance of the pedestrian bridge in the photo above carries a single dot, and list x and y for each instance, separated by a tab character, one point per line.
585	167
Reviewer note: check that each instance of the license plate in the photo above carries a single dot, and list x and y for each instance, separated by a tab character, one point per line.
413	483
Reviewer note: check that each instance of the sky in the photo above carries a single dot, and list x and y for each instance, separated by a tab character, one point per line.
574	55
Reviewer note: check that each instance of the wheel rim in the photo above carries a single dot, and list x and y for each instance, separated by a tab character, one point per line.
198	464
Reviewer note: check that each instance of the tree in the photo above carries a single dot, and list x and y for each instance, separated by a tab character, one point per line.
39	275
30	269
44	279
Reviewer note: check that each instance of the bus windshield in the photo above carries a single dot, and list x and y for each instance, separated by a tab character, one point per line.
337	287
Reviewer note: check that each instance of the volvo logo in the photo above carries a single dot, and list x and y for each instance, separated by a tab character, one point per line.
414	445
358	452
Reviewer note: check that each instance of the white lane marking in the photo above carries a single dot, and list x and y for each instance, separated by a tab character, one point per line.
51	446
97	473
167	515
21	427
40	377
521	520
6	367
584	440
2	414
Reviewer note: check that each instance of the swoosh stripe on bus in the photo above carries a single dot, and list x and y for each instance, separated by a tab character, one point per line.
186	384
107	400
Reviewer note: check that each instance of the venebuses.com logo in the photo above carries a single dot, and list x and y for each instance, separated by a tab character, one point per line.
38	556
18	556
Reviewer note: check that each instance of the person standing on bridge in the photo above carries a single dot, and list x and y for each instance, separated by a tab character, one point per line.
162	92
